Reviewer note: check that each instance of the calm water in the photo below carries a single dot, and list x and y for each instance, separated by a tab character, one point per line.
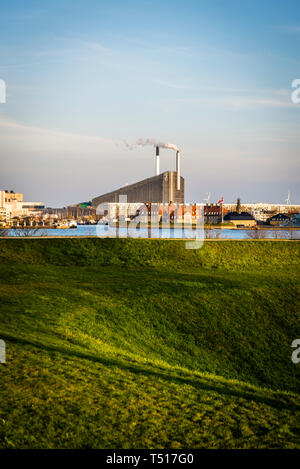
103	231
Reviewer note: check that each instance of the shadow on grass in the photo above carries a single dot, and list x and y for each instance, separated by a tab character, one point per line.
279	401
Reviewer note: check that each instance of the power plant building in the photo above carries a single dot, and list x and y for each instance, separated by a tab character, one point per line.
163	188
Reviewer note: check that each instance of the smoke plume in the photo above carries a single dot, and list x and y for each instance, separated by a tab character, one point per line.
151	141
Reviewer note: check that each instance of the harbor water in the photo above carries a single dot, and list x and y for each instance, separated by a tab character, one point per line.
104	231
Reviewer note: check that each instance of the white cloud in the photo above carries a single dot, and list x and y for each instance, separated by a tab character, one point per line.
14	129
281	99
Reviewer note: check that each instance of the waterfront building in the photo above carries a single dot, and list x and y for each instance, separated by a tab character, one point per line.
212	214
16	207
239	218
279	219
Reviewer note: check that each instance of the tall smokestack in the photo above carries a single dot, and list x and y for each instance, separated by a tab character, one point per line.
178	169
157	162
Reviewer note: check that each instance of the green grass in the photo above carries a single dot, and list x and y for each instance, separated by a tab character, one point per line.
145	344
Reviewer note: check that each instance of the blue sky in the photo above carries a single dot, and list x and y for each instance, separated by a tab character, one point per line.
212	77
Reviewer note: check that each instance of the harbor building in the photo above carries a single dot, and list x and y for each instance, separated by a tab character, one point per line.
239	218
279	219
212	214
15	206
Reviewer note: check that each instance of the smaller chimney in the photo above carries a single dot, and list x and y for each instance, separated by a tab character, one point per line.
157	162
178	169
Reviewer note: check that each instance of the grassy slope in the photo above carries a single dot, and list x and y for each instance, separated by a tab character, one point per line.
136	343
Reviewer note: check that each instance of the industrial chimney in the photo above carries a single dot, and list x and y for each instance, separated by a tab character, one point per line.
157	162
178	168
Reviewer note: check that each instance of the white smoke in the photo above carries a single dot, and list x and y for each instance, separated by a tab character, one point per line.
153	142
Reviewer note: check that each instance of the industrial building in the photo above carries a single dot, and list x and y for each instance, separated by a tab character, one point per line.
162	188
156	189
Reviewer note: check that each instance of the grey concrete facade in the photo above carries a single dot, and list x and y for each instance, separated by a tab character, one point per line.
157	189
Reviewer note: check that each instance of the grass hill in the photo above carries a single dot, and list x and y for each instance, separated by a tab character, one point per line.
120	343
